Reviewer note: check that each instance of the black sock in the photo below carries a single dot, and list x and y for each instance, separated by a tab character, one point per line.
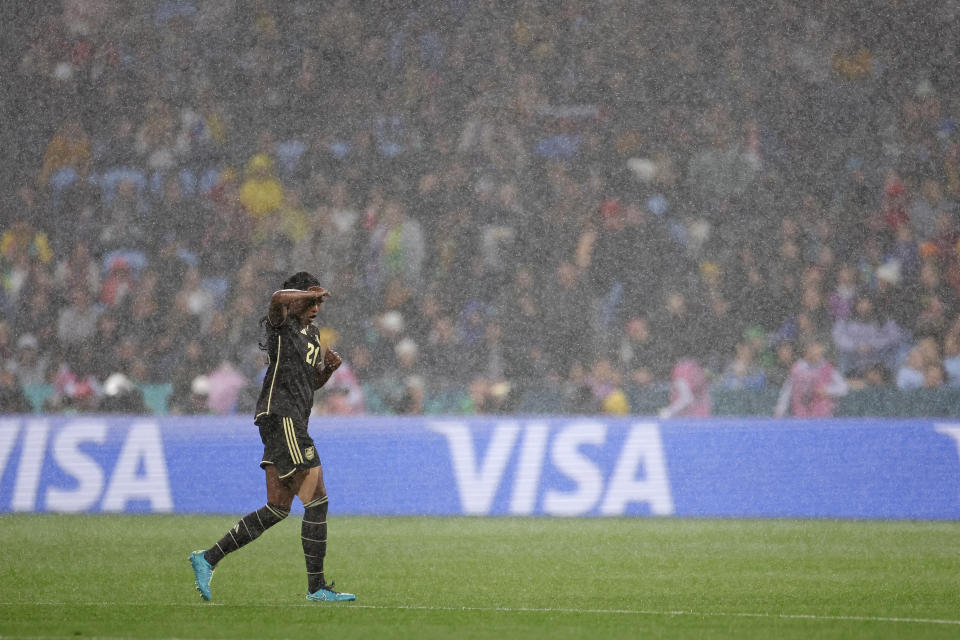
313	536
247	530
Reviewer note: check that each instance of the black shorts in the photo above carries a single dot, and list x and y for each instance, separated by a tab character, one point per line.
286	445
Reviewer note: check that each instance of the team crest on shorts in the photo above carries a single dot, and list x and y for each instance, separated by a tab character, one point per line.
309	453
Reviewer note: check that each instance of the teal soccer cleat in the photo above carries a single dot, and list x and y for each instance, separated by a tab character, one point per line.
327	594
203	572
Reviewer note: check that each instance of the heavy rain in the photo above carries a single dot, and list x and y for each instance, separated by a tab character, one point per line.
643	318
518	206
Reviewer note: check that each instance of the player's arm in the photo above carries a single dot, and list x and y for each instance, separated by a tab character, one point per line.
322	372
280	301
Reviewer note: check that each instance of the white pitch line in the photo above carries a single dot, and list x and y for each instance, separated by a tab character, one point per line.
634	612
645	612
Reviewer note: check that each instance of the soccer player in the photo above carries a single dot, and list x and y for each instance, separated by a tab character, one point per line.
299	365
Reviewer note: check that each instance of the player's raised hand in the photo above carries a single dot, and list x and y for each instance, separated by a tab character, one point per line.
319	292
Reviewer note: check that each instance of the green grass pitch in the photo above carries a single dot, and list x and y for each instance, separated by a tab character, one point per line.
128	577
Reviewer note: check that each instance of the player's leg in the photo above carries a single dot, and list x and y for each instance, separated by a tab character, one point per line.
251	526
280	495
313	536
282	477
313	531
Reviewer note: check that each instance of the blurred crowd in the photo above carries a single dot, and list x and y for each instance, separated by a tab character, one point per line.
504	197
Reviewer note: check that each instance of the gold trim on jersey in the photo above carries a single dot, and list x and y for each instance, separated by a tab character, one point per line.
273	380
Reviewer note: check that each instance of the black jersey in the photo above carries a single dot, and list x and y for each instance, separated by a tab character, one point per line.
288	385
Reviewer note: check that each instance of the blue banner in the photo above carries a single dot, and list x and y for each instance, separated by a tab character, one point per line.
545	466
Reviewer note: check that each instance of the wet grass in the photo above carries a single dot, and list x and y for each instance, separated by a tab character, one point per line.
128	576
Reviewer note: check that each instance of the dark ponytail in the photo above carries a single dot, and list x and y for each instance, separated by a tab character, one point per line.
265	330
